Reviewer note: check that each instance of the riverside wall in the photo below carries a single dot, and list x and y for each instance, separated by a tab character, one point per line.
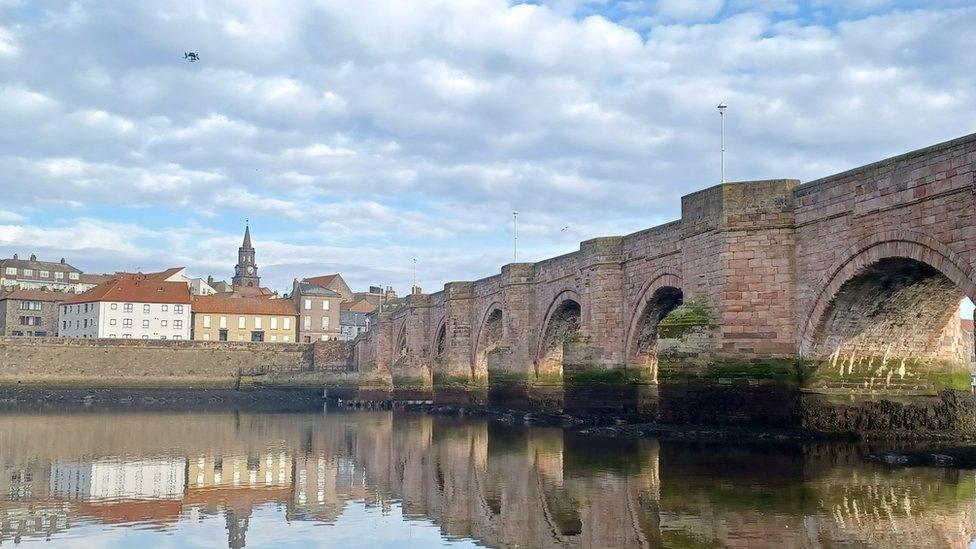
131	364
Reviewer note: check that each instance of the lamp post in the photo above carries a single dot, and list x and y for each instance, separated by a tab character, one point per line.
721	114
414	275
515	234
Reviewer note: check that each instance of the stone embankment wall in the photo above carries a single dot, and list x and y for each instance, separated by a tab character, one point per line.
100	363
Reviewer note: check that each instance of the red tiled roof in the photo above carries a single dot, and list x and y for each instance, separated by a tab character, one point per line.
34	295
358	306
967	324
161	275
94	278
135	288
321	280
243	305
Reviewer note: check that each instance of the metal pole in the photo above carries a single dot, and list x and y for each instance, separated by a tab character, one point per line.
515	255
721	114
414	274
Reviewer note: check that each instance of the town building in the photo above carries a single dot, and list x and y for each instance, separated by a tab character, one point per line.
319	309
29	313
129	306
354	318
376	295
31	274
334	282
258	319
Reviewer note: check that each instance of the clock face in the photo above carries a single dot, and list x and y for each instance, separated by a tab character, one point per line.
250	270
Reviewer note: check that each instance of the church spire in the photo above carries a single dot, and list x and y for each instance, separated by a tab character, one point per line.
247	235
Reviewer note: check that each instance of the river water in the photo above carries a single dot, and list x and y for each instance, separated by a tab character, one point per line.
382	479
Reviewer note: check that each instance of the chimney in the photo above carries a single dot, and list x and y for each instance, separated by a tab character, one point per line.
15	256
34	258
416	290
62	260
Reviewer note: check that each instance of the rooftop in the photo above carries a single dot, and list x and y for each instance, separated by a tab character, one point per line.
135	288
34	295
314	289
33	263
243	305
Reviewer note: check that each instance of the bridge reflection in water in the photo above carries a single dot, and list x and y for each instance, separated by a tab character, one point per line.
367	478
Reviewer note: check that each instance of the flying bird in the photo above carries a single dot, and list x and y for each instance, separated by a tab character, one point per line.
191	56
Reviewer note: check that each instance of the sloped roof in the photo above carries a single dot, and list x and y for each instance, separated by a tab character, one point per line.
94	278
314	289
161	275
38	265
243	305
323	281
967	324
34	295
135	288
359	306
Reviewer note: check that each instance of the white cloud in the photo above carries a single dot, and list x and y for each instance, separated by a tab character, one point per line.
405	129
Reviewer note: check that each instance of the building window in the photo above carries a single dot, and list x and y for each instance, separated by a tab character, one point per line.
145	323
73	276
177	323
323	338
11	271
206	337
286	323
325	323
241	322
308	304
58	275
64	324
162	337
274	337
28	272
285	338
165	308
145	337
163	323
126	322
223	322
308	322
126	336
223	335
325	305
177	337
86	322
114	306
274	323
257	322
127	308
206	321
146	308
112	322
43	274
30	306
30	320
112	335
178	309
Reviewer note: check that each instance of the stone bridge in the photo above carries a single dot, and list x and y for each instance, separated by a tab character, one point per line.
847	285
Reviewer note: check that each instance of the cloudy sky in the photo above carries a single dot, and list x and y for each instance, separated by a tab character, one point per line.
359	134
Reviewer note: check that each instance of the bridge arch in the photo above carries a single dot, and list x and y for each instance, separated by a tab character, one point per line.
490	337
440	339
561	324
400	345
661	295
894	295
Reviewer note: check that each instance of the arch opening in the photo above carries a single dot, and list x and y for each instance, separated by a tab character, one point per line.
895	322
489	345
440	342
647	343
561	346
400	348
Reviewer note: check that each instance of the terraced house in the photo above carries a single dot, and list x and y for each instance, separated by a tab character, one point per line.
31	274
256	319
129	306
29	313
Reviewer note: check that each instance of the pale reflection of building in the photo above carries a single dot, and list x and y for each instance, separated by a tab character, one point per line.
323	485
118	479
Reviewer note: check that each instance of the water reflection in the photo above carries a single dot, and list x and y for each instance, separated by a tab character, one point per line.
374	478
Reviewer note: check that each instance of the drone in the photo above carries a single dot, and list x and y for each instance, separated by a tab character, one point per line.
191	56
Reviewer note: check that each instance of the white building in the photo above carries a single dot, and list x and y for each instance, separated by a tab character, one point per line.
129	306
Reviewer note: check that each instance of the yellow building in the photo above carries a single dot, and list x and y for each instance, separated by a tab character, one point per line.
217	318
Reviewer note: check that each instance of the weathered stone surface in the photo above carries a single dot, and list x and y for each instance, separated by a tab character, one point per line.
844	285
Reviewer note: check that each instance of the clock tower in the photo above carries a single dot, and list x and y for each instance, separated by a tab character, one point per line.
246	271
